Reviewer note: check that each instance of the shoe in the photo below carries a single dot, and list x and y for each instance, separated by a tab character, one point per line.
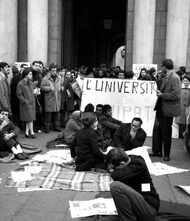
58	129
32	136
155	154
27	136
19	156
25	155
166	158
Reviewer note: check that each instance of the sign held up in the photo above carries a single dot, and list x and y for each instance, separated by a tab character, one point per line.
128	98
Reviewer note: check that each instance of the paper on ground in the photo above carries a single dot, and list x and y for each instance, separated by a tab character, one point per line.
32	169
163	169
20	176
99	206
186	189
29	189
54	156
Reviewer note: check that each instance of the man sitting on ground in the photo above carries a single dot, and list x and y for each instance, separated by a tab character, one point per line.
108	123
8	142
133	191
129	135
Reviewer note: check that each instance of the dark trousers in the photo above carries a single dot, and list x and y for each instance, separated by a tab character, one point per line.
162	134
52	118
6	145
130	204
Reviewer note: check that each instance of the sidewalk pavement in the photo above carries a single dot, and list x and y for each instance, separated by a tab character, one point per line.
53	205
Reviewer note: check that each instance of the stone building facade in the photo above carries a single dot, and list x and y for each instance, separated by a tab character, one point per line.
52	31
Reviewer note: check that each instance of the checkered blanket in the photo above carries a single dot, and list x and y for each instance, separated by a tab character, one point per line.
53	176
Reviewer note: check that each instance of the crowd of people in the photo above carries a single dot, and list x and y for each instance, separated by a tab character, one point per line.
39	98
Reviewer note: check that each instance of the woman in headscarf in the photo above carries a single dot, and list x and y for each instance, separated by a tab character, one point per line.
73	125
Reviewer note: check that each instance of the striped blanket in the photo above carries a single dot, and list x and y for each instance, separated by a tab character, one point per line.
53	176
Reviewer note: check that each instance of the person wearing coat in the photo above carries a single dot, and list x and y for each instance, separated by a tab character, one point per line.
129	135
5	103
108	123
26	96
185	103
67	98
85	146
73	125
52	86
168	105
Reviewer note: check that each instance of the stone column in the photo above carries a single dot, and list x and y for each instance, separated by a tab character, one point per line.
177	31
55	31
143	35
68	45
8	30
37	30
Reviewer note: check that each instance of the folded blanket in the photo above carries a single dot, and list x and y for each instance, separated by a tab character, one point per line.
53	176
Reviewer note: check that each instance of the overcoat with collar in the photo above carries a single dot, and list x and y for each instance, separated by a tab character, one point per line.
170	101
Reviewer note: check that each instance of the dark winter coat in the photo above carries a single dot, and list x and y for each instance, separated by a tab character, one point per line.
26	101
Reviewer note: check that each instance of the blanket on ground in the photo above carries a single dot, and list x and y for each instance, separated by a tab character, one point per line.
53	176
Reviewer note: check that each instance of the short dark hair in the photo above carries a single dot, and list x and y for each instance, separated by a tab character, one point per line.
168	63
129	74
89	108
186	76
35	62
26	71
183	69
116	155
23	64
53	65
138	119
3	64
99	105
106	107
88	118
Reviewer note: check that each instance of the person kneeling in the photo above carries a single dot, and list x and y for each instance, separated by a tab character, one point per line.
133	191
8	133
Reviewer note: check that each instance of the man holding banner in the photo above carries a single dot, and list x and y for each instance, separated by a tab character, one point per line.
168	106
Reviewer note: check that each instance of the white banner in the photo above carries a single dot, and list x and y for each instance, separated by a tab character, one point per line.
137	68
128	98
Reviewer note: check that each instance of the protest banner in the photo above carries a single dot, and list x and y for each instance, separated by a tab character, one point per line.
137	68
128	98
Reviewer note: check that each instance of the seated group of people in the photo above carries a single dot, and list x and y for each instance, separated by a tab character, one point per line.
133	191
88	135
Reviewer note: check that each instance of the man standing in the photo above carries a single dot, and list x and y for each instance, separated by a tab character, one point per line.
5	103
129	135
51	86
168	106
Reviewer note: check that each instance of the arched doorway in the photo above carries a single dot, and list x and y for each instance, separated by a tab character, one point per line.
98	30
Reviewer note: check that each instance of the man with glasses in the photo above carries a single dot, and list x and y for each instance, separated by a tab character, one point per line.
129	135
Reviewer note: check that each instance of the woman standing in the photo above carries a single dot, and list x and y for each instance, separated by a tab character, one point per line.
26	96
